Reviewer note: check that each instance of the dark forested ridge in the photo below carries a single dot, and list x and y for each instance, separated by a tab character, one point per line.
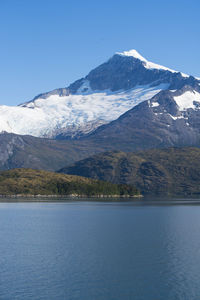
37	182
173	171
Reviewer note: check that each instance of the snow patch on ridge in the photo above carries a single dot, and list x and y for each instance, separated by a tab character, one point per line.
177	118
83	113
187	100
154	104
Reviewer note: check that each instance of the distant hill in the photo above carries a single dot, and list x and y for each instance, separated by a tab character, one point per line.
35	182
173	171
23	151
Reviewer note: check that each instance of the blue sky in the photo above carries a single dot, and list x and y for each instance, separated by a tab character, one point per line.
49	44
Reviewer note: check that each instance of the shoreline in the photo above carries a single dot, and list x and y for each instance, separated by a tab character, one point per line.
64	197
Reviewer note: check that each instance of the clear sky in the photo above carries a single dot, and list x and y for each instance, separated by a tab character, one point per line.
48	44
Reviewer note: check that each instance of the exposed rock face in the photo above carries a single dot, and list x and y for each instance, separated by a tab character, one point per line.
126	72
8	145
60	92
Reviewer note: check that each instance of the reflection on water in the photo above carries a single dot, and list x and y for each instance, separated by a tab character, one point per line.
100	251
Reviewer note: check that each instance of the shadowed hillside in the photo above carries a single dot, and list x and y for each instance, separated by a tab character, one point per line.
173	171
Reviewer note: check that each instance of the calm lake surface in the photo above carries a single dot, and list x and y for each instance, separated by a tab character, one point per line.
100	251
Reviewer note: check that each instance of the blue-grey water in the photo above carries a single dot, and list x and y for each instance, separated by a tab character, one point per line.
99	251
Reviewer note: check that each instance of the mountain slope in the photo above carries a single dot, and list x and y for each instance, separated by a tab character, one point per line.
170	118
173	171
30	152
106	93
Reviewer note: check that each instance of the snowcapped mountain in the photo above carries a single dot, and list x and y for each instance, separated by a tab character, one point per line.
106	93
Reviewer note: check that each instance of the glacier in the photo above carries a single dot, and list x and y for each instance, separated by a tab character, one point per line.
78	113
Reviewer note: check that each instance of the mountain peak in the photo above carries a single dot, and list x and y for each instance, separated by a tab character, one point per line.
133	53
147	64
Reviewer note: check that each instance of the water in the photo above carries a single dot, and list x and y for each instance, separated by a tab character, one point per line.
99	251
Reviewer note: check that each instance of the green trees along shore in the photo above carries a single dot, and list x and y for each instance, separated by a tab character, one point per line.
37	182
